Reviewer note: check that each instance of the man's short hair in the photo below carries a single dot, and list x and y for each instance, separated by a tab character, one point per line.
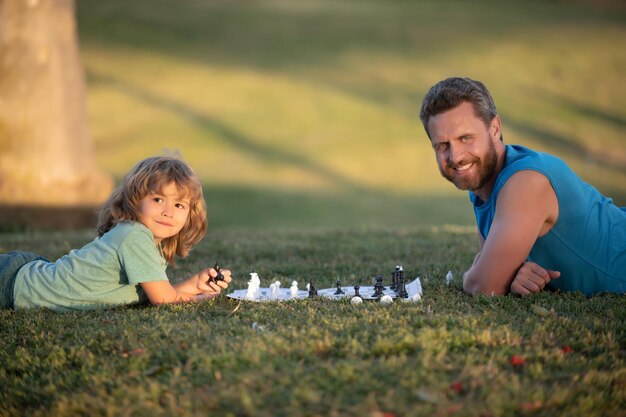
451	92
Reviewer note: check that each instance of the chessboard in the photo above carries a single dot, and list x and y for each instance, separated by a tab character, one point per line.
265	294
365	292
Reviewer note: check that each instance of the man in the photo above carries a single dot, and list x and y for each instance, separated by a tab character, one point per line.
539	224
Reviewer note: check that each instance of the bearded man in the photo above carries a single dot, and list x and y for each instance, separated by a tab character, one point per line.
539	224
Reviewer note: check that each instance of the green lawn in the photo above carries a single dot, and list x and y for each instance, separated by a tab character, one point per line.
301	117
452	354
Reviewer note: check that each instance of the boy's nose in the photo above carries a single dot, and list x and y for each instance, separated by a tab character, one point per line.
167	211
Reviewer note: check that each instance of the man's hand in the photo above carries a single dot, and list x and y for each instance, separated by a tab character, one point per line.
532	278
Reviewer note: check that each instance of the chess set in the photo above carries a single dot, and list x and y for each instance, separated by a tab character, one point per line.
398	289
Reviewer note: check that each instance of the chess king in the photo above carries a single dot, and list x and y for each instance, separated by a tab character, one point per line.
539	224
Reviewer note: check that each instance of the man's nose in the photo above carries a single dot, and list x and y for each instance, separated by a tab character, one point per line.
455	154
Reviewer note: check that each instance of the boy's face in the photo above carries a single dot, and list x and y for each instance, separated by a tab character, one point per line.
164	212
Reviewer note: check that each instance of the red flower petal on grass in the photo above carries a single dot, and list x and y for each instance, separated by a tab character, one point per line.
567	349
517	361
457	387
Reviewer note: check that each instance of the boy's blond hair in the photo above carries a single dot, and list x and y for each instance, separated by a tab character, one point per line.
151	175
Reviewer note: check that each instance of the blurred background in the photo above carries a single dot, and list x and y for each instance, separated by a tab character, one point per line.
305	113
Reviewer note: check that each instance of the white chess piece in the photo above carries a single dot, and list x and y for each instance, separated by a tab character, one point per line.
277	286
386	300
251	291
449	278
254	277
294	289
273	291
356	300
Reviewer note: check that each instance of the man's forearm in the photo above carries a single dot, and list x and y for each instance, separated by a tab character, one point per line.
476	282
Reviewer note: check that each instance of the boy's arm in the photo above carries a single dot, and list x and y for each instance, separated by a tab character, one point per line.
195	288
526	209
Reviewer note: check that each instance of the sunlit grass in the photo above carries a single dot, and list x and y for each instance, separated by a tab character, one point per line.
325	95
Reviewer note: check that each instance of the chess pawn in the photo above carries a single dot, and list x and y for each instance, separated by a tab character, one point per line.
273	291
449	278
386	300
339	290
312	290
294	289
357	297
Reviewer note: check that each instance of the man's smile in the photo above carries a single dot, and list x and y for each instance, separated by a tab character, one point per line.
464	167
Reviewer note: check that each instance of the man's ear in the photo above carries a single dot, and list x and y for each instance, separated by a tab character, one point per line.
495	129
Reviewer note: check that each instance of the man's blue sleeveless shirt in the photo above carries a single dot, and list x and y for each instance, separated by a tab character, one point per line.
588	242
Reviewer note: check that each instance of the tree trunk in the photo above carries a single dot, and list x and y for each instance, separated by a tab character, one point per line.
46	153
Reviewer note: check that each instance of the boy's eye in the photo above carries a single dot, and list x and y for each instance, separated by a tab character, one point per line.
157	199
181	206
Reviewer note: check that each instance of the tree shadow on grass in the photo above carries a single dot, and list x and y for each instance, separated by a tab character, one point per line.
566	146
243	143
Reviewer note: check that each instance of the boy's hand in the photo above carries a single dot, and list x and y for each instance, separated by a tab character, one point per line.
207	283
532	278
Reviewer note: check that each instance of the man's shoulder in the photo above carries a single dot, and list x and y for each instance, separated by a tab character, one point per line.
520	158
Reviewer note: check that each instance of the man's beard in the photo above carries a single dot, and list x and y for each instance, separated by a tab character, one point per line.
486	171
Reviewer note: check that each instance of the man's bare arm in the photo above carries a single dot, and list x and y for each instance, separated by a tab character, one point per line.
526	209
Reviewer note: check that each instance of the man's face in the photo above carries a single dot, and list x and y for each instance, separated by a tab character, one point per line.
466	149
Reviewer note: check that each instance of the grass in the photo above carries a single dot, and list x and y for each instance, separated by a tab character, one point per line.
451	354
301	119
323	96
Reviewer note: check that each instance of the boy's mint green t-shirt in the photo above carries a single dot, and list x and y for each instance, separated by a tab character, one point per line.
104	273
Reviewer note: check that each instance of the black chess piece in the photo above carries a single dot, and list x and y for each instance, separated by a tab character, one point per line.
380	279
312	290
356	291
394	279
219	277
402	293
218	269
339	290
378	288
